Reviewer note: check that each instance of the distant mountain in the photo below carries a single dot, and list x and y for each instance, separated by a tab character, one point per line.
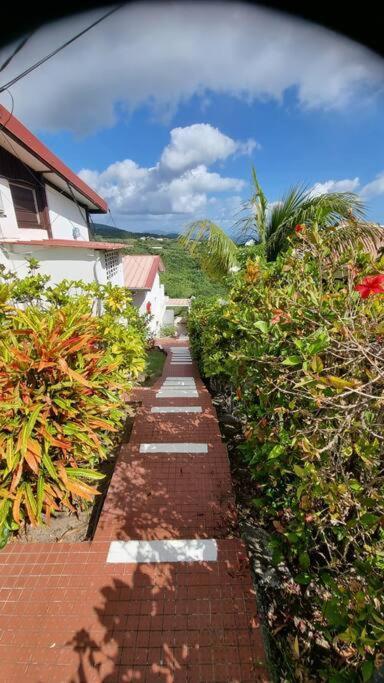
103	231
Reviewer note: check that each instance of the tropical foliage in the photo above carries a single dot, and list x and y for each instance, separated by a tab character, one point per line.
300	343
63	374
270	225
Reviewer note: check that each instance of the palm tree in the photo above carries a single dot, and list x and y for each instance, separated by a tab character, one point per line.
271	224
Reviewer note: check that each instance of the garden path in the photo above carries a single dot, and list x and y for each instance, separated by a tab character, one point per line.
163	592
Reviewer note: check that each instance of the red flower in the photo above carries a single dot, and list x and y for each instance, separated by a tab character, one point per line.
372	284
299	228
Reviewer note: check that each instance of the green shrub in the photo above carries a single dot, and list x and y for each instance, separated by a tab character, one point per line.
303	352
167	331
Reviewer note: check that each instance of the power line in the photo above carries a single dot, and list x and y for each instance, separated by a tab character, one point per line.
54	52
16	50
4	123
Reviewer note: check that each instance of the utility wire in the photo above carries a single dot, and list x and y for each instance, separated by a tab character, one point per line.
16	50
54	52
4	123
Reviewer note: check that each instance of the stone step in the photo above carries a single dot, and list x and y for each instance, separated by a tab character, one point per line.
177	550
173	448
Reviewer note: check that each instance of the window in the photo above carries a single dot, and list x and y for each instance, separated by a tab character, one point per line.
111	260
26	206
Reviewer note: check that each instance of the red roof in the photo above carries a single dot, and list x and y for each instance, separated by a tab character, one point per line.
18	132
140	271
79	244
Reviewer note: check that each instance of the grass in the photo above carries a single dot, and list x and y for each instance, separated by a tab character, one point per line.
154	366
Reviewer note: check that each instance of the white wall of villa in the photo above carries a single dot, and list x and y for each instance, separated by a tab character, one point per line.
61	263
156	297
66	216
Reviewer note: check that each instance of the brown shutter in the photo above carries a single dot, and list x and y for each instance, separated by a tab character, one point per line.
25	204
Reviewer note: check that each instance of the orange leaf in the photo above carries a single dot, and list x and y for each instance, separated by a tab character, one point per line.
34	447
73	374
16	477
64	445
82	490
32	461
97	422
45	364
16	506
20	356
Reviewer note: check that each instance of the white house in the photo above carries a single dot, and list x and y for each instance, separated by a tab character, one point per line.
44	213
142	277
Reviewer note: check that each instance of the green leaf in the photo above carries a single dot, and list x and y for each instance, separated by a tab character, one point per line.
303	578
258	502
28	429
317	364
40	495
262	326
81	473
276	451
49	466
299	471
292	360
304	560
367	670
369	519
335	614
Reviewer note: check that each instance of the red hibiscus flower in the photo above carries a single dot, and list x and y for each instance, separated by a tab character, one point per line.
299	228
372	284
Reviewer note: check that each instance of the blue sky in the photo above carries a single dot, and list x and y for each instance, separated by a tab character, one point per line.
163	111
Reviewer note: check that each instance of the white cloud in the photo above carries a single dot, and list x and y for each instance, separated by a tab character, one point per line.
163	54
374	188
345	185
180	183
200	143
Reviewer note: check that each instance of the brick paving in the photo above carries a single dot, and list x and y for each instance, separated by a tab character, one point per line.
69	617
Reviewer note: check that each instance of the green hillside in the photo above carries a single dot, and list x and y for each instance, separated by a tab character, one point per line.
103	231
183	276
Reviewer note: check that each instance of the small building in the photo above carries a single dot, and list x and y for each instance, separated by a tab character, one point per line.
142	277
45	211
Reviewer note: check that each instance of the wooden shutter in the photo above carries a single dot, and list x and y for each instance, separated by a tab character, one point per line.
26	206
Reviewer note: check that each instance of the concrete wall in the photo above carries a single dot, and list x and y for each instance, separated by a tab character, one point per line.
156	297
65	215
60	263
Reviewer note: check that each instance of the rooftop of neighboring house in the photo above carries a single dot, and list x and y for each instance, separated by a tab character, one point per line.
140	271
19	141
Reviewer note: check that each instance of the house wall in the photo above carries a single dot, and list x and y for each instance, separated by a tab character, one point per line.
156	297
8	223
59	263
65	216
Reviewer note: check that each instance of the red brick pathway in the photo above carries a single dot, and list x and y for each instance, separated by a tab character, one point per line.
69	617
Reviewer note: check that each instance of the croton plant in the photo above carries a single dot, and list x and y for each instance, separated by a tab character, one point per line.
64	371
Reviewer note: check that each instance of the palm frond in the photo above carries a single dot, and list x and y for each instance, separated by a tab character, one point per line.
301	206
354	234
328	209
284	212
254	224
283	217
215	250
